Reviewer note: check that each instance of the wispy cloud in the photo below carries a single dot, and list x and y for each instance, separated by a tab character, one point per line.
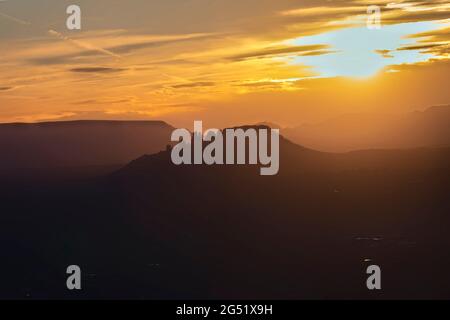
285	50
83	45
193	85
96	70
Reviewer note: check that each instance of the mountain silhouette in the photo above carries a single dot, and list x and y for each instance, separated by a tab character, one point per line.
357	131
306	232
156	230
79	143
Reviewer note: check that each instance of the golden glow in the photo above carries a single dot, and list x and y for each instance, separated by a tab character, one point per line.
235	65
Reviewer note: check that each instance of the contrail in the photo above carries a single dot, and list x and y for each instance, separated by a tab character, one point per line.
80	44
22	22
83	45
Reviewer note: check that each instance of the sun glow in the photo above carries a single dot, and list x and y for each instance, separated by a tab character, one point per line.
360	52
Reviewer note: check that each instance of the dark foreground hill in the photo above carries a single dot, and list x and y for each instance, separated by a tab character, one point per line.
156	230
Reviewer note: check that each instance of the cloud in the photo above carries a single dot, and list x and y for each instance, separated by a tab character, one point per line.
422	46
38	117
384	53
436	42
441	34
97	101
194	85
325	12
120	114
96	70
129	47
355	11
105	115
414	11
268	52
83	45
127	44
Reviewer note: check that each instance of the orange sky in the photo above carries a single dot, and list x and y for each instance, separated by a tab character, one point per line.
223	62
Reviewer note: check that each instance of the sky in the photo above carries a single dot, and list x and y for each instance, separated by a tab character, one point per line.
224	62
